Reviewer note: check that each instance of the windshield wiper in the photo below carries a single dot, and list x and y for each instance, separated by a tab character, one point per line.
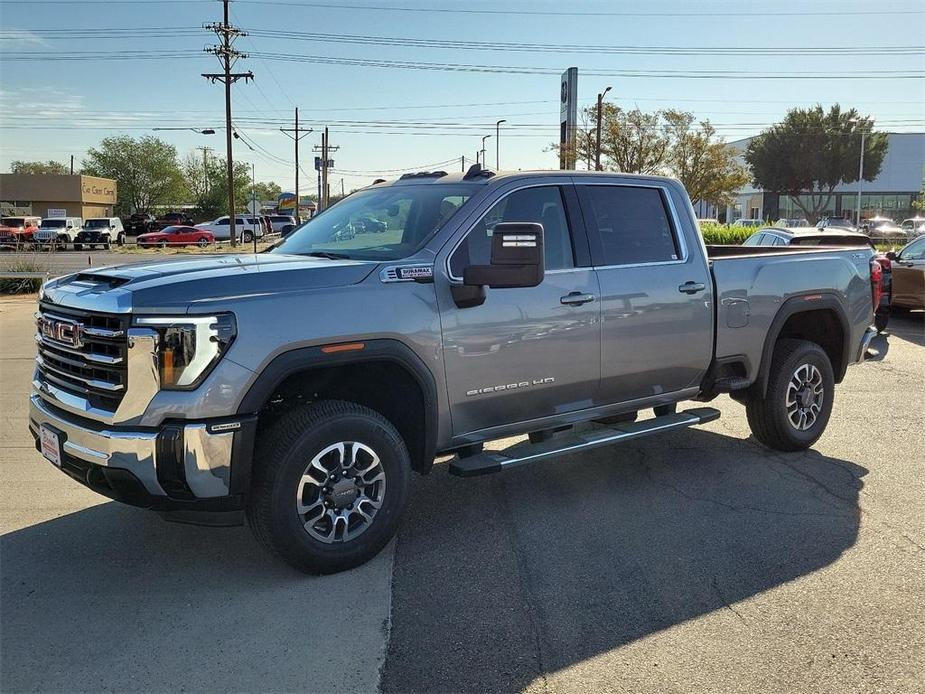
328	254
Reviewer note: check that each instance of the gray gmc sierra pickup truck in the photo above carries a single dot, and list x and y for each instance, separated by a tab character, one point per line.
302	386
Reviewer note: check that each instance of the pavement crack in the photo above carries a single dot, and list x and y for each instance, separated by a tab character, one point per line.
726	603
523	570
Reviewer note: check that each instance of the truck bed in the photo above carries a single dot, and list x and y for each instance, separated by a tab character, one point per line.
720	252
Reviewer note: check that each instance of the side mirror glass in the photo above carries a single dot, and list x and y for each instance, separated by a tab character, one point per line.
517	258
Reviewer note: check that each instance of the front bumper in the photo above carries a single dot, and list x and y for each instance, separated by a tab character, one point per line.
190	471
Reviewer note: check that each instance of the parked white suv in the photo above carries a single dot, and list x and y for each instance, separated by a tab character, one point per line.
58	230
99	231
282	223
246	227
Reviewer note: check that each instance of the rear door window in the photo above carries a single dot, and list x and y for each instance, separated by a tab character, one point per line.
631	223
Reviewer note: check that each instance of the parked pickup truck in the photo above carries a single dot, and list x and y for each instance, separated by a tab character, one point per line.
301	387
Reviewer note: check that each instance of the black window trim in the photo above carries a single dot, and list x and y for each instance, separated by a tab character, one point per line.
671	213
574	218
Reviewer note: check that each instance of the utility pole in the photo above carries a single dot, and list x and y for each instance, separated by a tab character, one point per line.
72	165
860	177
205	167
228	56
600	108
254	198
342	194
324	189
296	133
463	162
484	158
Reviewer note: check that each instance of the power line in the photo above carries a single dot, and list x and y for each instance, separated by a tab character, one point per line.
562	13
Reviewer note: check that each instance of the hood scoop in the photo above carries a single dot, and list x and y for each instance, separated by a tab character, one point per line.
93	280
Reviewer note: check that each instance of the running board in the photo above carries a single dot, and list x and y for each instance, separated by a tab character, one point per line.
524	453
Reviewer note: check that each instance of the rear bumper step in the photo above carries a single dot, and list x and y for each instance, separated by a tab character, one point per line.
525	453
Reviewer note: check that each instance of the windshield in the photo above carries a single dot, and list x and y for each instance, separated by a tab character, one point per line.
385	224
53	223
97	224
13	222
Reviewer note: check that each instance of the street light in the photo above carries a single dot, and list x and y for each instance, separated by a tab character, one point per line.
483	148
600	108
498	144
204	131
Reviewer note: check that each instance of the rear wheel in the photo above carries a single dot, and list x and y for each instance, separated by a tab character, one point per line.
796	408
330	483
78	246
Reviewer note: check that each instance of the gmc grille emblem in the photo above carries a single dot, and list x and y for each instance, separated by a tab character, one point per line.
68	333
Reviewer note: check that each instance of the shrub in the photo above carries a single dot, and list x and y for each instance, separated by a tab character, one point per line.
720	234
25	285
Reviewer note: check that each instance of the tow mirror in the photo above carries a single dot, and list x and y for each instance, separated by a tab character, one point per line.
517	258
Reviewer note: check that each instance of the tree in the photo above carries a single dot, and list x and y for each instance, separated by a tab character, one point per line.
633	141
707	166
146	170
811	152
207	185
38	167
267	191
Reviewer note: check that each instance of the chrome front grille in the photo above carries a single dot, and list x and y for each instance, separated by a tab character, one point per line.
84	353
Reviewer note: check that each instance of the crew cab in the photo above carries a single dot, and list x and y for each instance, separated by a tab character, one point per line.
301	387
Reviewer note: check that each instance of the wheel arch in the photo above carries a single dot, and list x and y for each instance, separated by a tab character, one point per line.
385	375
820	318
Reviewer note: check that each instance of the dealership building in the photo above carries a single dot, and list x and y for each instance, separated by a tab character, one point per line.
53	195
891	194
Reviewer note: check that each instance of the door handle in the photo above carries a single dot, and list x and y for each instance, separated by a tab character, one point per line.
576	299
692	287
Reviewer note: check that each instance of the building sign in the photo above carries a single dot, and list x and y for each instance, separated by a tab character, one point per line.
568	118
285	204
99	190
57	212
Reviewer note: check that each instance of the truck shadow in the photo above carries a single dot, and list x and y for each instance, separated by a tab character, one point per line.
500	581
113	598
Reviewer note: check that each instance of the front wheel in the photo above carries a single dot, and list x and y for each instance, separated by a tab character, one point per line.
801	389
203	242
247	237
330	483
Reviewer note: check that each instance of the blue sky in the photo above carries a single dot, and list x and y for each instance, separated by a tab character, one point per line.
53	109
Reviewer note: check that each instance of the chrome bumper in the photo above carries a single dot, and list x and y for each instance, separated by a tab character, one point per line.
206	455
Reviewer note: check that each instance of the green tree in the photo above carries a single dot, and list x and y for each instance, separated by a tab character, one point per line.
146	170
811	152
707	166
38	167
208	185
267	190
634	141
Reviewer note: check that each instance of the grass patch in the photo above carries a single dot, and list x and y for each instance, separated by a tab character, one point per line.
22	285
721	235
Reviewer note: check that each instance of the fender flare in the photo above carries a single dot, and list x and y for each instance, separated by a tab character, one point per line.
792	307
380	350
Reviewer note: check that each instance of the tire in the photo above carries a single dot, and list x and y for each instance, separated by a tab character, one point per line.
203	242
290	449
768	417
880	321
107	243
286	229
78	247
120	239
247	237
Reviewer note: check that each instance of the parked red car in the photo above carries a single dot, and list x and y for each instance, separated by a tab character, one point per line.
177	236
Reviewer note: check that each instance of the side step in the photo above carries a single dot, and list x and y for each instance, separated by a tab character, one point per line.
525	453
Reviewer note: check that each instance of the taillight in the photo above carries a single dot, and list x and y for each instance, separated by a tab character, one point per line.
876	282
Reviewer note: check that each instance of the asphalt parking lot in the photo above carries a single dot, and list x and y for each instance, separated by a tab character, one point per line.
694	561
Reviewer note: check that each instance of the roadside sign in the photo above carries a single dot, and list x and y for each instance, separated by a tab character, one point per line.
57	212
253	206
318	163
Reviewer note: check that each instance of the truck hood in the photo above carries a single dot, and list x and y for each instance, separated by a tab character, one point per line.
184	285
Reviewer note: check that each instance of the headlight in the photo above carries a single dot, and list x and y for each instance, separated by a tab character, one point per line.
189	346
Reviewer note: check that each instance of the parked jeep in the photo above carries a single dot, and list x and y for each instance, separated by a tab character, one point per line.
301	388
